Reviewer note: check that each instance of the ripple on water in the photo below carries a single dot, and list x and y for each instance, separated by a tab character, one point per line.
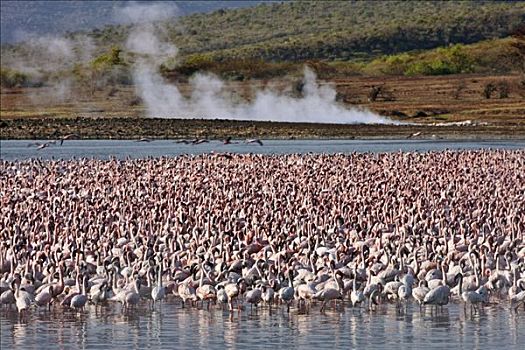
103	149
169	327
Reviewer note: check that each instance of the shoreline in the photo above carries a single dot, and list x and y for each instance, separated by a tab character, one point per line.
162	128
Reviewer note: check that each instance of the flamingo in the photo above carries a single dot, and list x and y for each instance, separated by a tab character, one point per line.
330	293
68	137
8	296
99	293
267	295
306	292
258	141
159	291
23	299
79	300
469	297
232	291
222	296
420	292
132	297
357	296
44	297
253	297
438	296
287	294
205	292
187	292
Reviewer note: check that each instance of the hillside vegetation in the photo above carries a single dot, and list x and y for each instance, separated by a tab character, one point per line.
489	56
343	29
336	39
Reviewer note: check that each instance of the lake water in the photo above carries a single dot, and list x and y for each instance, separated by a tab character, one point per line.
18	149
171	327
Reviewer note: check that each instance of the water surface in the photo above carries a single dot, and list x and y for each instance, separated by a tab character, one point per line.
171	327
103	149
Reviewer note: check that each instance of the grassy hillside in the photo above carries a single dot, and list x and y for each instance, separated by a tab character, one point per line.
276	39
488	56
343	29
334	30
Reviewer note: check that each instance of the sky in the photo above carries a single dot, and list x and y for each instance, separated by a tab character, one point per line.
20	18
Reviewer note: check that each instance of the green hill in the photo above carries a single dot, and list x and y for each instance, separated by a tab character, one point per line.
356	37
336	29
344	30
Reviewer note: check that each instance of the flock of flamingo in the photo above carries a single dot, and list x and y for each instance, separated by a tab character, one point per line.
287	231
196	141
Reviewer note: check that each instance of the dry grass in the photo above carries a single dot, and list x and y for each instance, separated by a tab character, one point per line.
33	113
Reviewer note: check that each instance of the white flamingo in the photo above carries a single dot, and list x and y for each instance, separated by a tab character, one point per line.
159	291
79	300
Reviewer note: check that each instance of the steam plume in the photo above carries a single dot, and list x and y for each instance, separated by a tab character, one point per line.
209	99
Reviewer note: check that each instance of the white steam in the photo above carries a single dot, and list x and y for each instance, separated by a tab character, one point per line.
40	55
136	13
49	58
209	98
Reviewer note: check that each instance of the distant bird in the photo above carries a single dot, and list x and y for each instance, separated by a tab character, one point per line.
33	144
199	141
254	141
228	141
144	139
416	134
183	141
68	137
39	145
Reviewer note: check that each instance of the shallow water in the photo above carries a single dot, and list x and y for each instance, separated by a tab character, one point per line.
170	326
103	149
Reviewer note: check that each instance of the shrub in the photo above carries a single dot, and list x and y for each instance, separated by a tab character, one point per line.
192	64
489	89
503	89
108	60
10	78
231	69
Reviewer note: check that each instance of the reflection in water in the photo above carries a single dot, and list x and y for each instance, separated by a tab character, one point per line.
172	327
